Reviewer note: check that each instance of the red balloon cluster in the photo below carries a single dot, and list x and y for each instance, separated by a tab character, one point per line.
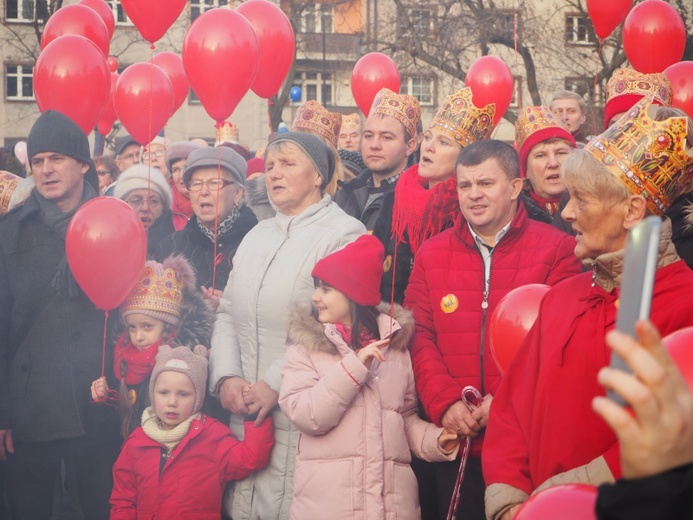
105	12
106	247
153	17
566	501
606	16
172	64
681	76
373	72
654	36
511	321
77	19
109	116
491	82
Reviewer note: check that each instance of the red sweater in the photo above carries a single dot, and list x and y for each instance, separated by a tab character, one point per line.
451	350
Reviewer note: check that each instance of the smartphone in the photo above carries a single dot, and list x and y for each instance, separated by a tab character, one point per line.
637	283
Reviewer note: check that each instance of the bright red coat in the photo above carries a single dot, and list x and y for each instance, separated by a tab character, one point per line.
451	350
193	478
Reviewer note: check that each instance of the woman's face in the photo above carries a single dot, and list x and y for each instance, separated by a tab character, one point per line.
438	154
293	183
105	177
544	168
209	204
332	305
147	204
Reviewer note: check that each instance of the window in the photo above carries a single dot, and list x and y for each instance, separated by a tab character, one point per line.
19	82
516	101
582	85
118	12
506	23
421	87
317	18
20	10
421	21
198	7
317	86
578	30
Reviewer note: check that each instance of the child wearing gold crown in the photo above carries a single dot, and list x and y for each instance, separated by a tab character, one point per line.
164	307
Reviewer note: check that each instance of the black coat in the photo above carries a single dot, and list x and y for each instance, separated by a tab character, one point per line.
353	196
682	227
194	245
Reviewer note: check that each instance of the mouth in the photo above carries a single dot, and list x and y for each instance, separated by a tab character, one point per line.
206	205
555	177
426	160
477	207
276	188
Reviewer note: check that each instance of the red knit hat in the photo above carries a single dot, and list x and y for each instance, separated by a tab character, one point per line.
255	165
536	125
356	270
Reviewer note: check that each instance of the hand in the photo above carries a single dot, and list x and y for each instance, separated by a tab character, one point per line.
6	443
231	395
459	419
99	389
510	513
481	413
367	354
260	399
448	440
213	295
660	436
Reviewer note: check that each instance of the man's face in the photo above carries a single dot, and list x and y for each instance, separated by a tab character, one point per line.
488	198
384	147
128	156
155	154
569	110
349	139
59	178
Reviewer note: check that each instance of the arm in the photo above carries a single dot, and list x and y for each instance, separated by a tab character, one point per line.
124	495
241	458
5	314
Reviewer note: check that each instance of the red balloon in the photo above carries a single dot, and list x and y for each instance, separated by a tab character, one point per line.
373	71
276	42
153	17
106	248
491	82
71	76
511	321
565	501
105	12
606	16
77	19
680	347
220	55
654	36
109	116
681	76
144	100
112	62
172	64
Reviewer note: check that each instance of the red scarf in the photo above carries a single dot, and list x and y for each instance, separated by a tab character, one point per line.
345	331
550	205
181	203
422	212
139	363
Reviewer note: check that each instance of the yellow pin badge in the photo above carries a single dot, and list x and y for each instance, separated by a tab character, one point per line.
449	303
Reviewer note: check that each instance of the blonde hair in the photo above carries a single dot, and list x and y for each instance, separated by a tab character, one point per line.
584	173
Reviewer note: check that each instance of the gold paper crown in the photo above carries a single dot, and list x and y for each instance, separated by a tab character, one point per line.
158	293
316	119
227	133
648	156
460	118
535	119
402	107
8	183
632	82
351	121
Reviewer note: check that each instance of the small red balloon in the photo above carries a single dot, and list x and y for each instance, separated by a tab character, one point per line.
106	247
681	76
71	76
109	116
172	64
112	62
105	12
654	36
373	72
680	347
606	16
80	20
491	82
511	321
144	100
565	501
276	42
220	55
153	17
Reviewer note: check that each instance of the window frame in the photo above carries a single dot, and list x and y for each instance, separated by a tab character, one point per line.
20	11
408	84
200	4
590	35
20	84
304	81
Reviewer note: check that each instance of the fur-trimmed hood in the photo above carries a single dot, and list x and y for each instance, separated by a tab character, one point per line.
307	331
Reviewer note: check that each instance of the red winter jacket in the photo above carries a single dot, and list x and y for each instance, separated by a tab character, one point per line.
192	480
451	349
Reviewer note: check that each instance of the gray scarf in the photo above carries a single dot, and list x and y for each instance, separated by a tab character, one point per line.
224	225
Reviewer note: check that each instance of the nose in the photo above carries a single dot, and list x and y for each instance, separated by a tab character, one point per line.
315	297
553	161
474	192
375	143
568	213
428	146
139	335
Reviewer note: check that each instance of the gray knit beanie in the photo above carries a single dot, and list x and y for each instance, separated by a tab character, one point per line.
221	156
193	363
319	154
179	150
55	132
142	177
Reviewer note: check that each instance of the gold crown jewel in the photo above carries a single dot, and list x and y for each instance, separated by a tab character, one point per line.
631	82
402	107
156	293
534	119
351	121
459	117
648	156
8	183
316	119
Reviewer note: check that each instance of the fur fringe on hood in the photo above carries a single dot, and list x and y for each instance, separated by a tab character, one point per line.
307	331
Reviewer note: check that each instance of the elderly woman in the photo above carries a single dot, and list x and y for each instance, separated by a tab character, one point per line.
214	179
176	155
107	171
146	191
272	270
542	430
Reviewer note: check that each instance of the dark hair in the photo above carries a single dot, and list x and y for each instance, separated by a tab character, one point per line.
107	162
481	151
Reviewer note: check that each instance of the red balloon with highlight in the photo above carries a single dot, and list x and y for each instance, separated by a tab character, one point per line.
153	17
607	15
681	76
679	344
105	12
373	72
172	64
79	20
564	502
491	82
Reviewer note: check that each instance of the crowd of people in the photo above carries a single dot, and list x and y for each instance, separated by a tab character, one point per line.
312	318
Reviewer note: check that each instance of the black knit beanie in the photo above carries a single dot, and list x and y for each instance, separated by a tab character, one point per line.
55	132
317	151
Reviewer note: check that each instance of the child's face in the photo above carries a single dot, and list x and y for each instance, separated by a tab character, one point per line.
174	398
144	330
332	305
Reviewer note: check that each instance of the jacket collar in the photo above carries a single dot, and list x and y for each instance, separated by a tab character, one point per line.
517	225
307	216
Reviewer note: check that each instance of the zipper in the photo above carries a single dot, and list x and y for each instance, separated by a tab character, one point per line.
484	307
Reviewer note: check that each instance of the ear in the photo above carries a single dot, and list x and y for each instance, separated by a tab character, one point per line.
635	211
238	195
412	145
85	168
516	185
318	180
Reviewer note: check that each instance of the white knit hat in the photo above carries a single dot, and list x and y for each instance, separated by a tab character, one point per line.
141	177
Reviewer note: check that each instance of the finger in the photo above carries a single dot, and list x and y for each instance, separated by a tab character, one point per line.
472	423
261	416
9	441
633	391
625	427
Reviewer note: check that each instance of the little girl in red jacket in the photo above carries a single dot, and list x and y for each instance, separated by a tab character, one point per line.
178	462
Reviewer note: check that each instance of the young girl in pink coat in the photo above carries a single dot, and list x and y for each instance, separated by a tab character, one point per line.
348	386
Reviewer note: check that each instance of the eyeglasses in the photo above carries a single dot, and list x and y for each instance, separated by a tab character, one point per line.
137	202
156	153
103	172
212	184
132	156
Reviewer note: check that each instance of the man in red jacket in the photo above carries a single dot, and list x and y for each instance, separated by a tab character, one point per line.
459	276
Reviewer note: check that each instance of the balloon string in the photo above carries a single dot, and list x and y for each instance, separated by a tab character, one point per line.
515	36
111	397
269	115
149	147
392	284
216	213
596	82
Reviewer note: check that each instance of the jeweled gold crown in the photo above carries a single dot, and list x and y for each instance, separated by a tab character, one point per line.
316	119
630	81
459	117
402	107
8	183
157	291
534	119
648	156
227	133
351	121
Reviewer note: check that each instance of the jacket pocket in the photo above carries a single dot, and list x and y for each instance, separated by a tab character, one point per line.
325	484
